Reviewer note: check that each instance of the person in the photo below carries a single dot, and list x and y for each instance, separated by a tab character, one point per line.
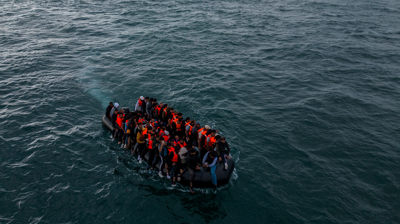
166	114
178	128
116	105
139	104
166	136
222	149
149	104
188	130
168	162
201	132
173	160
175	141
210	141
114	124
140	143
182	155
210	160
192	164
108	110
182	143
158	111
195	134
119	122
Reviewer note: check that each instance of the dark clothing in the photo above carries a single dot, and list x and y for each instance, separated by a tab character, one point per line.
180	133
222	148
108	110
191	172
113	120
192	161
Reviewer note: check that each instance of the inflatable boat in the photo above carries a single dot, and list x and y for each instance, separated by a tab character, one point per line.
202	177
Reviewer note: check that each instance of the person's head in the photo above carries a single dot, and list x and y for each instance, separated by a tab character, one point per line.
151	100
187	119
154	129
115	111
213	133
180	115
177	148
176	137
154	100
163	128
161	104
116	105
179	120
198	124
192	123
211	154
192	152
140	125
121	111
171	110
111	104
217	137
147	99
169	144
165	105
207	127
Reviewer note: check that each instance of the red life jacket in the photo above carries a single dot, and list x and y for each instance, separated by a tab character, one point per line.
166	138
119	121
182	145
212	140
176	141
144	132
140	102
161	132
170	150
158	110
175	158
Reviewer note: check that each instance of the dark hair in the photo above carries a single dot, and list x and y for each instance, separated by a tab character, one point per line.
151	99
213	131
177	148
168	143
154	100
146	97
217	137
192	150
111	103
172	108
223	138
188	118
180	114
180	119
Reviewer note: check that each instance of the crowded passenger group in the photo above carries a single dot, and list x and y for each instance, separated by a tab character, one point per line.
176	143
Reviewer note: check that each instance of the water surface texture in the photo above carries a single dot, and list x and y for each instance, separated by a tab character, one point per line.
306	92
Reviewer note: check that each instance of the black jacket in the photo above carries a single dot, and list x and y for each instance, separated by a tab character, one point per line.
222	147
108	110
192	161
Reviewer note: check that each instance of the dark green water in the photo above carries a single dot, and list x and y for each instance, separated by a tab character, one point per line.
306	92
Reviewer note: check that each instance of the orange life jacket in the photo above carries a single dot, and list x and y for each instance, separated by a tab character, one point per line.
176	142
140	102
212	140
201	129
190	130
187	123
178	127
144	132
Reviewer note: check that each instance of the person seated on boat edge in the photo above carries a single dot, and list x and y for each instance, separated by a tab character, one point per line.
192	164
202	140
178	128
140	104
222	149
195	134
182	154
210	141
139	139
131	126
200	133
210	160
173	160
168	164
108	110
125	124
116	105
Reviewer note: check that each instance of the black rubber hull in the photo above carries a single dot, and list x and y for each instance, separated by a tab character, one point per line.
202	177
